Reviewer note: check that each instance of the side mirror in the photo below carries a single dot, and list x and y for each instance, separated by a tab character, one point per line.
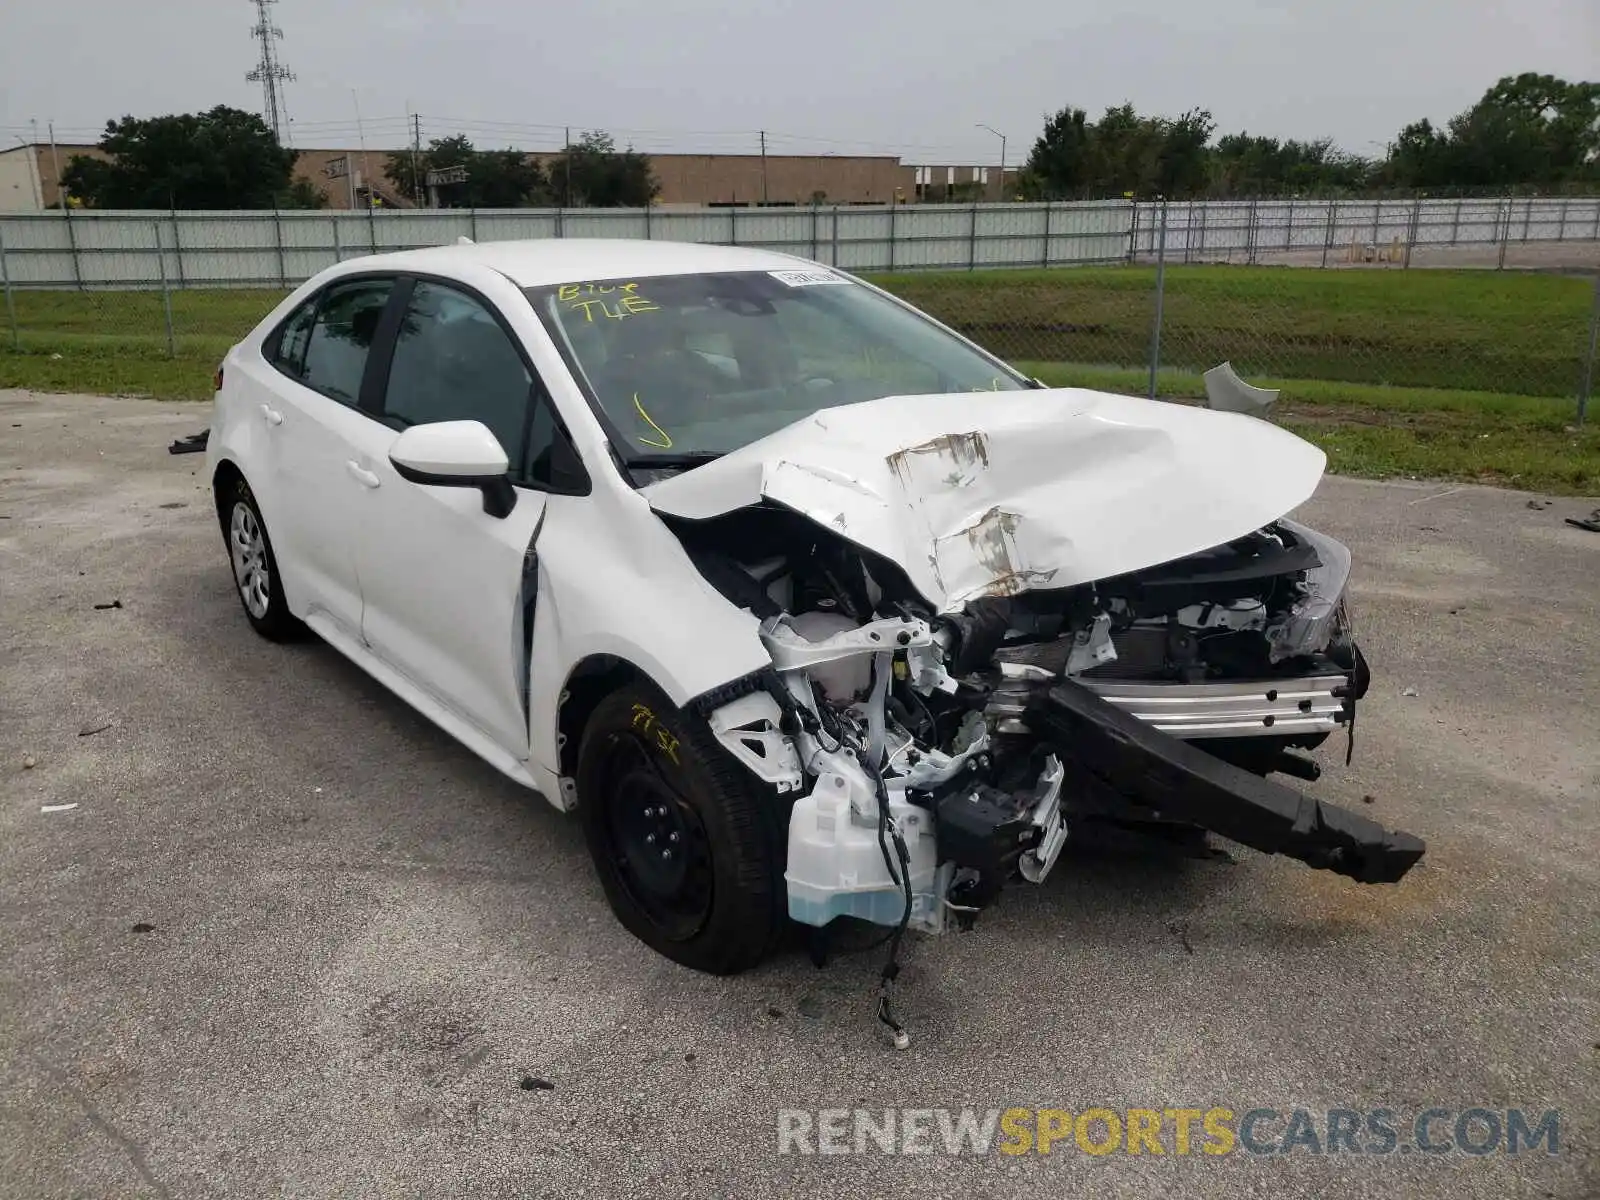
456	454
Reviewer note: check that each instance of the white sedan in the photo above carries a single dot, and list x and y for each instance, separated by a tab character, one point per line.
808	606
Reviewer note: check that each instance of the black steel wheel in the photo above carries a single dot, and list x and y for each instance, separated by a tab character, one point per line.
688	847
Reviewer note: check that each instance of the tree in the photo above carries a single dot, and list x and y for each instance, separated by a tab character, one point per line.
1246	165
302	193
494	178
1526	130
593	173
1122	152
224	158
1058	164
1182	167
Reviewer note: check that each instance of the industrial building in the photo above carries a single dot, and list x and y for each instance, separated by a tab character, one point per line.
29	177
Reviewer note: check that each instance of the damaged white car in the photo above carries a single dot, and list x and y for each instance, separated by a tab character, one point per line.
807	605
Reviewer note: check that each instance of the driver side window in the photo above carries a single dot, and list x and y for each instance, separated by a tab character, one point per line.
453	361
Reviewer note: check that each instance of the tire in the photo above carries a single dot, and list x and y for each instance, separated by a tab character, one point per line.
689	849
256	578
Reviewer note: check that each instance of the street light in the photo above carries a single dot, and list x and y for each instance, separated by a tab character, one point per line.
1002	138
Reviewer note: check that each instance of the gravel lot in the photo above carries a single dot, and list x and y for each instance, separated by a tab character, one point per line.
363	938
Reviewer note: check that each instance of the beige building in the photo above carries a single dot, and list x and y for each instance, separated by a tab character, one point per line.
29	174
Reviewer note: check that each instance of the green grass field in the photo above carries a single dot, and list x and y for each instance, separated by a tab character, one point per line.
1443	374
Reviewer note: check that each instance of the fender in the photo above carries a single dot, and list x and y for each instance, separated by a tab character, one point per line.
614	581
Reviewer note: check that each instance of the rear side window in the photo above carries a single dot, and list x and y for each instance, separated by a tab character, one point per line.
288	350
339	338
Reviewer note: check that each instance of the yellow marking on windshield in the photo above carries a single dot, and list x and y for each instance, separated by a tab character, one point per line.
666	439
587	297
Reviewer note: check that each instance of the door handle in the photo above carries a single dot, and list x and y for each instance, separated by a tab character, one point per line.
365	477
273	416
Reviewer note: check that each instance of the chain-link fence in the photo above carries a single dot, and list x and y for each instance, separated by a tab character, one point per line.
1131	296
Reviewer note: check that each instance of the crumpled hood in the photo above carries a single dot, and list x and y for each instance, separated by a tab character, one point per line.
994	493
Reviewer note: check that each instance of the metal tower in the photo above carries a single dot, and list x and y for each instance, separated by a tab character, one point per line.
270	73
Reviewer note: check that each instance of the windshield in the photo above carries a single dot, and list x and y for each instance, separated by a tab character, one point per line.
685	366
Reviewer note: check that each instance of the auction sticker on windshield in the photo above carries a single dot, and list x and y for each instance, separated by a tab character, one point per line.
806	278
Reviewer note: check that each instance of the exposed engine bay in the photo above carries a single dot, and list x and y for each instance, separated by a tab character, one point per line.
937	755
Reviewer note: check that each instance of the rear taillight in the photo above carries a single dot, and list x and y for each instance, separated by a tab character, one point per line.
216	380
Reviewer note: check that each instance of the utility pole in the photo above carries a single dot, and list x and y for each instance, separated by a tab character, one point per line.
366	168
416	156
55	166
269	72
1001	190
566	163
763	166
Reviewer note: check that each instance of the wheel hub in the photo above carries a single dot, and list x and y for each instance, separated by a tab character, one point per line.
248	547
658	844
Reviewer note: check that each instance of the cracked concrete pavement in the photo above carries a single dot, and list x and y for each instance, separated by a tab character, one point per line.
293	940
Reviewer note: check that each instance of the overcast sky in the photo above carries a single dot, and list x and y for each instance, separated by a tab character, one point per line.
912	77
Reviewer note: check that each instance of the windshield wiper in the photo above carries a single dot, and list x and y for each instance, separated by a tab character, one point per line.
685	458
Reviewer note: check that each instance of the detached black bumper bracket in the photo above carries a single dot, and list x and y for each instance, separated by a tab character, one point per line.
1180	782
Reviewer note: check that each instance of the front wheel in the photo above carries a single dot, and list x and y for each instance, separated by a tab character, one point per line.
689	849
255	568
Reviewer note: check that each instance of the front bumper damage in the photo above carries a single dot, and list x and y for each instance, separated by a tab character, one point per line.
1090	615
1085	754
1101	746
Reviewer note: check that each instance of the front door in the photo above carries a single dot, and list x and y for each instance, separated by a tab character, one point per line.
446	588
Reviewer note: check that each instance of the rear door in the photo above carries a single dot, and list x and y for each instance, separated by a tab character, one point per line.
321	356
448	590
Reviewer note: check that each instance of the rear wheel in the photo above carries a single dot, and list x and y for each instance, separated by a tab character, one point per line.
255	569
689	849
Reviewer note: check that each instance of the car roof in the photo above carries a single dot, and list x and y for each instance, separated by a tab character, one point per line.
543	261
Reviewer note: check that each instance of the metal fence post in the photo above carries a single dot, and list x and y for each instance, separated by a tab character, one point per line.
733	226
1250	234
1044	249
1505	232
1527	217
816	216
892	207
338	250
834	252
1133	233
166	292
277	234
177	250
649	233
1411	233
1594	234
1161	295
1288	233
11	304
1205	210
1328	234
1587	386
1561	231
72	242
1455	224
972	240
474	224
